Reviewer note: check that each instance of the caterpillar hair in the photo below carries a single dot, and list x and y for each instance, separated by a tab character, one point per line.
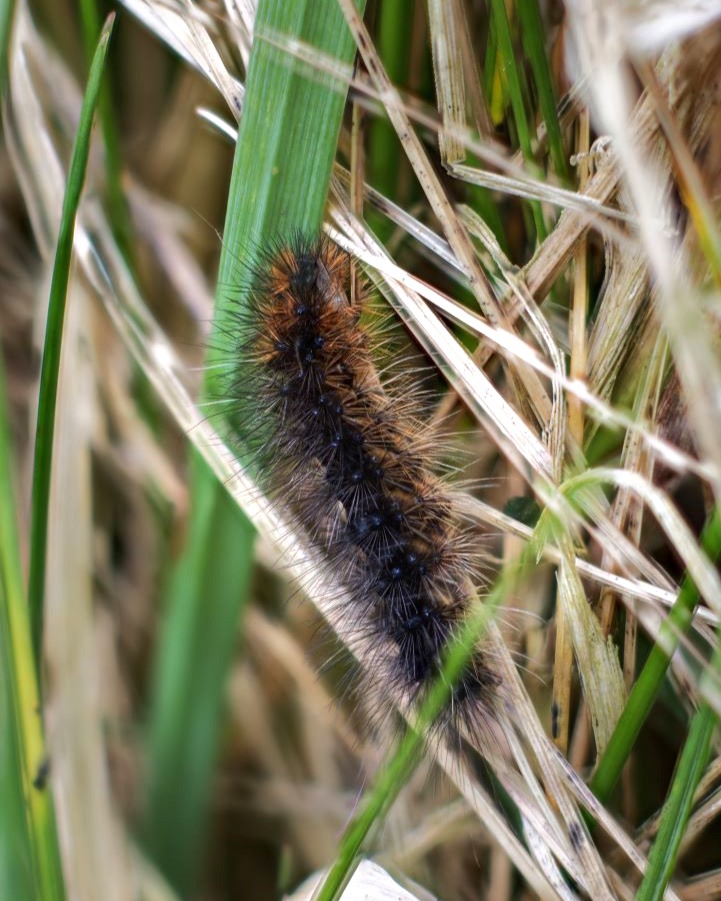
353	465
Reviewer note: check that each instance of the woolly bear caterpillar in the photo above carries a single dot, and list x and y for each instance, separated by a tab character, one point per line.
348	459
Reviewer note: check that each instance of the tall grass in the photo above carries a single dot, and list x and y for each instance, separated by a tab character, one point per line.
561	297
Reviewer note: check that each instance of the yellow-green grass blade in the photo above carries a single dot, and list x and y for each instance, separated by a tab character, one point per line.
18	874
281	171
50	367
29	859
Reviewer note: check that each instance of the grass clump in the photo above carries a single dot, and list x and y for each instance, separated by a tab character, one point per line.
534	200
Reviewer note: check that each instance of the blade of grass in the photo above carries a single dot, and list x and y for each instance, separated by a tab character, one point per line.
454	92
513	75
286	144
492	83
45	428
646	688
18	870
690	180
533	35
29	858
7	8
118	208
384	152
674	818
279	182
207	589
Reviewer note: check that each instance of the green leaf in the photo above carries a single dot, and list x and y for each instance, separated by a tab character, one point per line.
674	818
207	591
534	41
281	171
384	150
50	368
117	205
7	9
515	81
29	858
646	688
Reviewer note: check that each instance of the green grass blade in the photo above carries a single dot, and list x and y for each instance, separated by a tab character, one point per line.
384	149
513	75
29	859
53	338
286	141
207	591
534	41
7	8
281	171
18	875
117	206
646	688
676	811
492	85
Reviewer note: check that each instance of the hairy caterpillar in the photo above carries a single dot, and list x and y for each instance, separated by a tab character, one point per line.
350	461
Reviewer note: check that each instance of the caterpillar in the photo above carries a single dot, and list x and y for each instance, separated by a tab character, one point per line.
353	465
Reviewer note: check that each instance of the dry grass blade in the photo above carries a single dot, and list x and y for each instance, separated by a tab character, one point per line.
98	857
695	354
444	24
183	27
